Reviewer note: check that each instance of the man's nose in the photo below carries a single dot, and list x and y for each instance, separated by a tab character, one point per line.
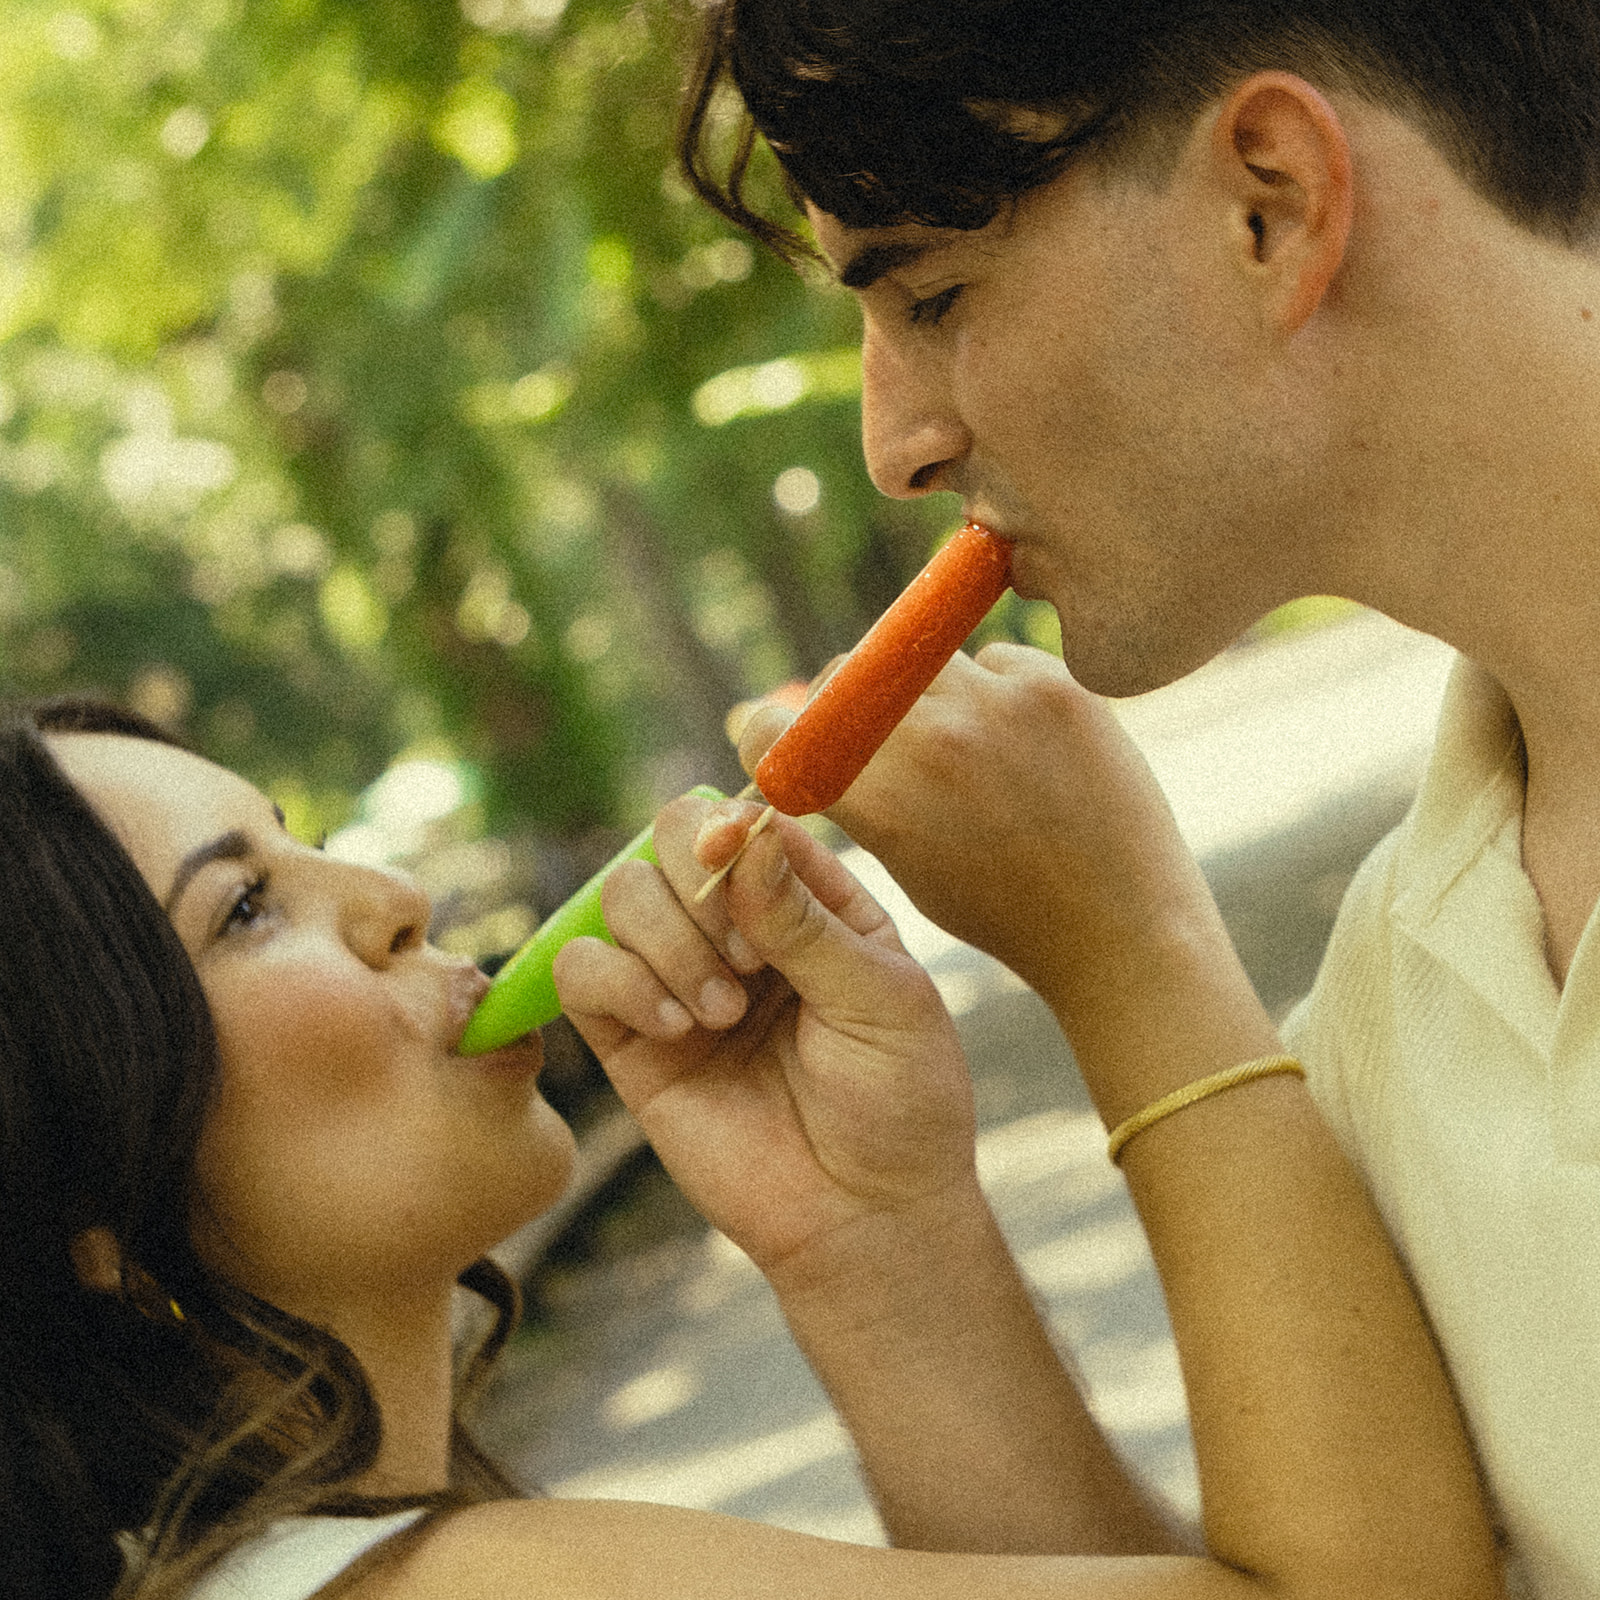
910	433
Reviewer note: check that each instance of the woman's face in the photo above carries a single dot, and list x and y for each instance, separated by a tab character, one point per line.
349	1149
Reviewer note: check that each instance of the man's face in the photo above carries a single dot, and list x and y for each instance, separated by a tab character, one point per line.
1087	373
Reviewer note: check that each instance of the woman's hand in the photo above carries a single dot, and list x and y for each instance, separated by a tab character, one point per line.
794	1068
801	1079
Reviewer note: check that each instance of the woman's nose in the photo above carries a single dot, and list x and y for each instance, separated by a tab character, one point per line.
910	434
384	915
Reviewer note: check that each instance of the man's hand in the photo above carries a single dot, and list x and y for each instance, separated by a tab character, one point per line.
1017	814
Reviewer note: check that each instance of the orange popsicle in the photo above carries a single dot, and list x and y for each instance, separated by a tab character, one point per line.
824	749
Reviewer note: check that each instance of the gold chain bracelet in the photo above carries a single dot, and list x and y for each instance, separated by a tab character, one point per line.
1200	1089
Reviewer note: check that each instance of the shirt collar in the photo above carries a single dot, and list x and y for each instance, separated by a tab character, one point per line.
1460	890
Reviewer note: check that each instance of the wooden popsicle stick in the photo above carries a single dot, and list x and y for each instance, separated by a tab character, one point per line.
703	893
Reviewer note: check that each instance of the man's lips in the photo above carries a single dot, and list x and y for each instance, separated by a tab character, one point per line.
1019	547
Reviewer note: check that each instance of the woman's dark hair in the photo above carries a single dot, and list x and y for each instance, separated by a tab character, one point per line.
940	112
165	1423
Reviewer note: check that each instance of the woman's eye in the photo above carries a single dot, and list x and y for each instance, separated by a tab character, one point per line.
932	309
247	908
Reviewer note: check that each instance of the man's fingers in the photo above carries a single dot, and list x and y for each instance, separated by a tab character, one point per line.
762	729
1007	658
756	725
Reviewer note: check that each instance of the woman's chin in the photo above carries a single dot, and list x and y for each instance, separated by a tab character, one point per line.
546	1171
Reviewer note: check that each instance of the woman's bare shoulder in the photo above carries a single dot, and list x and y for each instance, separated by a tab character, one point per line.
598	1550
624	1550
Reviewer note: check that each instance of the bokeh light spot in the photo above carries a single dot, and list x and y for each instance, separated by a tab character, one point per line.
797	490
185	132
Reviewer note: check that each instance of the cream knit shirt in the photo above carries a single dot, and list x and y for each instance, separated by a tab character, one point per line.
1466	1087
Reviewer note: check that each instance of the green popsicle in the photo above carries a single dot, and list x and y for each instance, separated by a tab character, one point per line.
523	994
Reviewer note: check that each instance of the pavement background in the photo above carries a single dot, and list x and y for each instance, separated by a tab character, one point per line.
657	1366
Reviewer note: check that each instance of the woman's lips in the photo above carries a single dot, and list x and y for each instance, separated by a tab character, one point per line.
467	987
522	1057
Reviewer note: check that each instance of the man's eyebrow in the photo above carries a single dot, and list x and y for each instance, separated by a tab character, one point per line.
234	845
864	269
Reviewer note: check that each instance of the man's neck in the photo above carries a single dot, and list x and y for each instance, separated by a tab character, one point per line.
1482	478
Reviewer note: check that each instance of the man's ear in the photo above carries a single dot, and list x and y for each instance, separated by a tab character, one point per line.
1281	153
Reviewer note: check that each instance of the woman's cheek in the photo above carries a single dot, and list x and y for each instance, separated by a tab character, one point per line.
284	1024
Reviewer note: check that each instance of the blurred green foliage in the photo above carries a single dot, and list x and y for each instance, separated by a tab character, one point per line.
369	384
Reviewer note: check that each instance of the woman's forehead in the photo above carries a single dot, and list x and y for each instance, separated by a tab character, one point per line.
161	802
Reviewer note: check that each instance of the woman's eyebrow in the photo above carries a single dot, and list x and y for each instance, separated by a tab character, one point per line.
234	845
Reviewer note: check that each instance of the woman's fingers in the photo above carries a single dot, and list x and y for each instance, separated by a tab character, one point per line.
809	918
731	826
679	834
612	995
678	962
673	964
648	919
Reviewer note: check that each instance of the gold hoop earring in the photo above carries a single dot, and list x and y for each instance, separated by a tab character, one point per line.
141	1291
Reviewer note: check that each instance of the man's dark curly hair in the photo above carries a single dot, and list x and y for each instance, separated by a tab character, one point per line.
940	112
